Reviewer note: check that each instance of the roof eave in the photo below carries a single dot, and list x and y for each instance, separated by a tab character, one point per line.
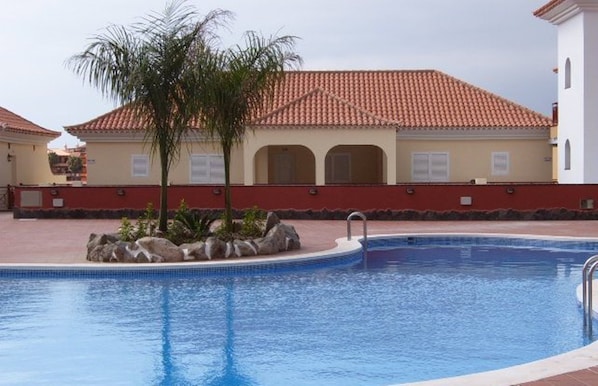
557	12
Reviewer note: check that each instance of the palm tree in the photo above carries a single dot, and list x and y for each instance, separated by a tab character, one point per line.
151	66
236	83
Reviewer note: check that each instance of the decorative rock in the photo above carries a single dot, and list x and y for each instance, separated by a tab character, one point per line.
142	258
96	240
230	249
215	248
266	246
292	240
271	220
121	253
245	248
278	237
160	250
194	251
101	253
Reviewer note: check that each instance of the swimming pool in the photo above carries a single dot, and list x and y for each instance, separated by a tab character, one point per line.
434	307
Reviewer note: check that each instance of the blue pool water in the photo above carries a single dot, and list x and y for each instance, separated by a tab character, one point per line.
415	312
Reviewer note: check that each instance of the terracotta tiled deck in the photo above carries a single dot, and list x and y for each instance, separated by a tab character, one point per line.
63	242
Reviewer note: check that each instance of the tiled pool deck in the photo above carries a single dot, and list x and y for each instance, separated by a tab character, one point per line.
63	242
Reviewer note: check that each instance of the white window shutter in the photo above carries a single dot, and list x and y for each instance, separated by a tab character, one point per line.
430	167
199	169
216	169
139	165
206	169
439	167
500	163
420	166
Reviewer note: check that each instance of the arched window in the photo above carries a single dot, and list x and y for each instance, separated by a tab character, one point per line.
568	73
567	155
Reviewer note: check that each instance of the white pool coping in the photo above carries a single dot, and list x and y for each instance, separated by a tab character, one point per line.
343	248
574	360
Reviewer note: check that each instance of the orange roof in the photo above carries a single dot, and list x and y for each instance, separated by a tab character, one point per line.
123	118
10	121
412	99
547	7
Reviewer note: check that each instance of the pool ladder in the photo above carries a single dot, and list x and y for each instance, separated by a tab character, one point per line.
365	231
587	276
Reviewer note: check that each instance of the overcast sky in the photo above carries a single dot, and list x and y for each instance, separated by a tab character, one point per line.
497	45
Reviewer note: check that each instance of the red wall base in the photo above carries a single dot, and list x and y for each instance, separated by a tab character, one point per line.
451	198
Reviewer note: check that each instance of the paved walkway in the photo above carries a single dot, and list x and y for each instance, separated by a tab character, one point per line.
64	242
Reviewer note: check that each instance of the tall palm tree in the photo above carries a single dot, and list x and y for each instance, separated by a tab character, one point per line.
151	66
236	83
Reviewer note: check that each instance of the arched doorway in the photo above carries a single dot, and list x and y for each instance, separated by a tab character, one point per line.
355	164
285	165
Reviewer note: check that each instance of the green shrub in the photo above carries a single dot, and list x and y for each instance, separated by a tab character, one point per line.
251	226
126	230
146	225
189	226
254	223
148	222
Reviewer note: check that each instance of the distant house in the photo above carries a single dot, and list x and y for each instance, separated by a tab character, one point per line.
346	127
577	42
23	153
61	163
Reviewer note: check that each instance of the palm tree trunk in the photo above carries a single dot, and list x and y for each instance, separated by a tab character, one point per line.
163	215
228	210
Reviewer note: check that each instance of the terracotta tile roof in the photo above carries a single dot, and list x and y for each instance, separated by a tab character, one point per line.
413	99
10	121
123	118
547	7
320	108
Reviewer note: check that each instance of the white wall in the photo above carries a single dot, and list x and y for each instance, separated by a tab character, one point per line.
578	105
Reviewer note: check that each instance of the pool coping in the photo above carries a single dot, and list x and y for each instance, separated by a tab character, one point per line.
344	247
574	360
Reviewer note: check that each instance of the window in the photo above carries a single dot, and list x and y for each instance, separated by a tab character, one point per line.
568	73
206	169
338	168
139	165
430	167
567	155
500	163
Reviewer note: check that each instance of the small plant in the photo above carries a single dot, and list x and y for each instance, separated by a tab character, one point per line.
145	225
126	230
251	226
189	226
254	223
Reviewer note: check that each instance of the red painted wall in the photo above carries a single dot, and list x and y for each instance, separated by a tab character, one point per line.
350	197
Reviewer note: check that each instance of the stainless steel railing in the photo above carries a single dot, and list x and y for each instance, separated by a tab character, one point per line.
586	299
365	230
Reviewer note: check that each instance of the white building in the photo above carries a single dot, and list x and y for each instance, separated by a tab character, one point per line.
577	29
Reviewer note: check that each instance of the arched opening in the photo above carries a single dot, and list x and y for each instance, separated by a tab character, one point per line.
567	155
355	164
568	73
285	165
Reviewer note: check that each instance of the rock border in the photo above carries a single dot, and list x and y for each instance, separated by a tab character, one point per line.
108	248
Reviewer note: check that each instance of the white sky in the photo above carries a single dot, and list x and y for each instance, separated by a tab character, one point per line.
497	45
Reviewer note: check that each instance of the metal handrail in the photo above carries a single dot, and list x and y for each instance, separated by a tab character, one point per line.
587	277
365	230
